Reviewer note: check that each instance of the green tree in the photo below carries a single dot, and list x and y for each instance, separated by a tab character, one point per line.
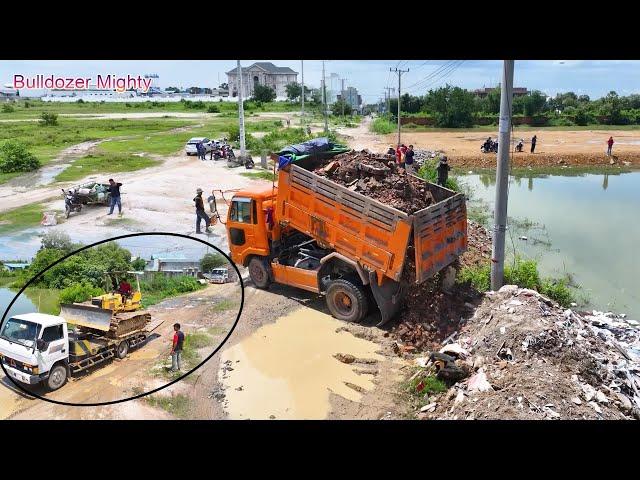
263	93
14	157
611	108
211	261
493	101
534	103
452	106
336	108
138	264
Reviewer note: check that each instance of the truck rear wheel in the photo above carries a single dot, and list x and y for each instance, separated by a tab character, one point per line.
346	300
57	377
259	273
123	349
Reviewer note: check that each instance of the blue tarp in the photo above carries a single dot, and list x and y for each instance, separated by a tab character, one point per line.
312	146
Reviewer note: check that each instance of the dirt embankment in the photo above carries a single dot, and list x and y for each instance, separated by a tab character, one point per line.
549	160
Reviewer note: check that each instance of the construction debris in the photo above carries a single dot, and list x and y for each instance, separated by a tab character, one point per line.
550	362
378	177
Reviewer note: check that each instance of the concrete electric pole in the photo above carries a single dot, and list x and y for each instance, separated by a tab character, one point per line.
502	177
241	112
399	72
302	95
342	96
324	101
388	97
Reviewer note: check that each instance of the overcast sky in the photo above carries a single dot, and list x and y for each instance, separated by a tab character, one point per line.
591	77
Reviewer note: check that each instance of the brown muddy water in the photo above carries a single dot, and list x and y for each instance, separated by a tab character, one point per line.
286	370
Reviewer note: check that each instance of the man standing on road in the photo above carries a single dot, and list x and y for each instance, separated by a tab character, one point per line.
533	143
610	145
201	151
408	159
443	171
200	213
114	190
176	348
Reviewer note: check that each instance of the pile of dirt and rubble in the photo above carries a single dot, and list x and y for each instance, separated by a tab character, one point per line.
378	177
432	311
522	356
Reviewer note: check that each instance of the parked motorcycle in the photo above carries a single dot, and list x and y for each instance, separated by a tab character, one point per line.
72	202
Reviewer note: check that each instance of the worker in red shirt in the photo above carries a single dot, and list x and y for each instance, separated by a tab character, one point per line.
176	348
610	144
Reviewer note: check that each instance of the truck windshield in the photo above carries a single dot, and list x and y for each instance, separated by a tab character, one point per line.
20	331
218	272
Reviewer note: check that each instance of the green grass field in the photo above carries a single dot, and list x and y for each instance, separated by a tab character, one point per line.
104	162
20	218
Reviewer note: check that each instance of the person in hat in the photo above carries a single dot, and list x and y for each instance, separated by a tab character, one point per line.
443	171
200	213
391	150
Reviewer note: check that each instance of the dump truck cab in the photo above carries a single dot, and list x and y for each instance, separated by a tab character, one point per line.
248	231
34	347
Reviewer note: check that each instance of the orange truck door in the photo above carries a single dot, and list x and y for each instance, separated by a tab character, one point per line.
241	225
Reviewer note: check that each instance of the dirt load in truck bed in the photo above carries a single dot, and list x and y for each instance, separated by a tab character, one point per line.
378	177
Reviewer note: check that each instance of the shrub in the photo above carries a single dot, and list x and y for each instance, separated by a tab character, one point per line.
234	133
561	122
212	260
429	172
557	290
14	157
523	273
6	108
79	292
48	119
213	109
80	101
382	126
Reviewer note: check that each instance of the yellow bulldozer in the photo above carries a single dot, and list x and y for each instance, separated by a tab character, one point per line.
116	312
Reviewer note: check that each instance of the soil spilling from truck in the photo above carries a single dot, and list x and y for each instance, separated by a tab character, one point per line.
378	177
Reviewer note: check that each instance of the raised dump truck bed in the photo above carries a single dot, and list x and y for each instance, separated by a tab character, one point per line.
370	232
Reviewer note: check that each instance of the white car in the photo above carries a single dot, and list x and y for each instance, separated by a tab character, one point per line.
191	148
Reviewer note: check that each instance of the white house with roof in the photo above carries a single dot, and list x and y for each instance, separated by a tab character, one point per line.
13	267
173	264
262	73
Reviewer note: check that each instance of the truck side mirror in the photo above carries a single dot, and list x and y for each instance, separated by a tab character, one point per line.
41	345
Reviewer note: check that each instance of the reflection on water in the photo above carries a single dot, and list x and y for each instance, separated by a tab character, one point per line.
589	222
32	300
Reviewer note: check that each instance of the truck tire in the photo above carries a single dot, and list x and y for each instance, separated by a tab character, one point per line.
347	301
57	377
122	350
259	273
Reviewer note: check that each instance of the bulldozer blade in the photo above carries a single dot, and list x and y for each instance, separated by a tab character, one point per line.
87	316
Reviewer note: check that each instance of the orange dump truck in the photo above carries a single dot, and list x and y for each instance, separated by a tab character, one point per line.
311	233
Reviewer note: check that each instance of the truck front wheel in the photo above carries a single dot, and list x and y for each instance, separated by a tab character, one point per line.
346	300
57	377
259	273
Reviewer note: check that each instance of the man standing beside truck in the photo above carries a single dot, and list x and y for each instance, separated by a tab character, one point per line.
176	348
200	213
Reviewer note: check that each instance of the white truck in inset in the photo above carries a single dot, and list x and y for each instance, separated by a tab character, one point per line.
219	275
40	348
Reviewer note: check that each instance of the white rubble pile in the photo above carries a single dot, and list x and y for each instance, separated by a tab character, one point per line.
517	328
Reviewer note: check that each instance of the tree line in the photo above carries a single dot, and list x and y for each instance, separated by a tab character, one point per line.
456	107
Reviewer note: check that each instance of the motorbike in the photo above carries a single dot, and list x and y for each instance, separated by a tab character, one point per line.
489	146
72	202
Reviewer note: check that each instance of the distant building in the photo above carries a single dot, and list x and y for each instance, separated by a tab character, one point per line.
12	267
333	88
261	73
517	91
7	94
90	94
352	97
173	264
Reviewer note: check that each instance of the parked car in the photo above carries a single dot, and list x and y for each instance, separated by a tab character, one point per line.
191	148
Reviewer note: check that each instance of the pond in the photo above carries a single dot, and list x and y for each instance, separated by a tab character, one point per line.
585	225
32	300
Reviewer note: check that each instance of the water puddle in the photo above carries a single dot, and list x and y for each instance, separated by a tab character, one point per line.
287	369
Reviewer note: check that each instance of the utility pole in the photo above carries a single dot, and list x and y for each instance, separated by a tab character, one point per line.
399	72
302	96
324	100
388	98
241	112
342	96
502	177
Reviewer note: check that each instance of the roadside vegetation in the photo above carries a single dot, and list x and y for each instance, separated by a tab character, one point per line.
523	273
178	405
382	126
20	218
429	172
455	107
421	386
162	287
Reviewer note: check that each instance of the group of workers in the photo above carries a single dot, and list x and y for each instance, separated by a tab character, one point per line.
405	159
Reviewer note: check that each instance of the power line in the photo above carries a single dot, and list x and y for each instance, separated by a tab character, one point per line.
399	73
